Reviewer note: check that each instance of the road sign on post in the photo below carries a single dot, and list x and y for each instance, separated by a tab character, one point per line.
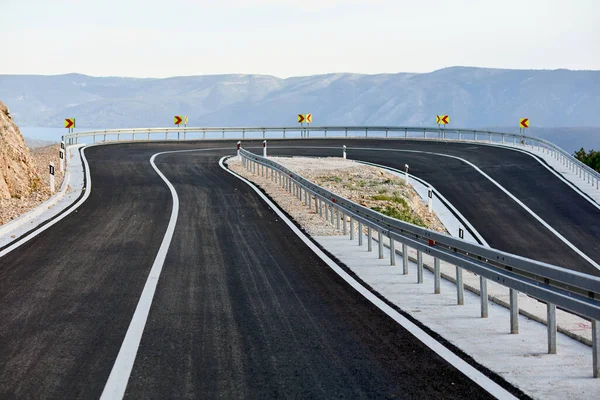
185	120
301	120
70	124
523	124
308	118
178	119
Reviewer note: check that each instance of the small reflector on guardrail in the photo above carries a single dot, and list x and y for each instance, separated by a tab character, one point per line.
431	242
333	200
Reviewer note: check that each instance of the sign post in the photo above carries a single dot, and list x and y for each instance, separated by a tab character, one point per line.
61	155
523	124
177	120
301	120
264	148
52	177
442	120
185	123
308	122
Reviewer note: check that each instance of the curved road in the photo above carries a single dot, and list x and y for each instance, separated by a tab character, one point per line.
242	309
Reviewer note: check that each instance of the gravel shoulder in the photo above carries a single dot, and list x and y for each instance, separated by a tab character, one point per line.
369	186
13	208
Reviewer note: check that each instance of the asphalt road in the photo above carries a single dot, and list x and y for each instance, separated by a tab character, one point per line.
242	309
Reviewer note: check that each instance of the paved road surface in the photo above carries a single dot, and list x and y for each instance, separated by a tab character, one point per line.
242	309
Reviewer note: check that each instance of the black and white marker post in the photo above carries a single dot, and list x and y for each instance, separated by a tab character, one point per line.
460	289
52	177
239	145
344	152
265	148
406	172
430	199
61	155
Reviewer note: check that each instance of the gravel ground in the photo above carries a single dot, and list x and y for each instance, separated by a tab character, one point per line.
363	184
15	207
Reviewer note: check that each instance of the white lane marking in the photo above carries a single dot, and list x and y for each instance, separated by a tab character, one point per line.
476	376
86	194
121	371
119	375
509	194
546	165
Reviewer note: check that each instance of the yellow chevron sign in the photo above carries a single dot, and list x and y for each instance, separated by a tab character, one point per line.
308	118
524	123
70	123
442	119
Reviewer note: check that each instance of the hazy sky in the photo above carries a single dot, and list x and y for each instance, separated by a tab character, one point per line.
153	38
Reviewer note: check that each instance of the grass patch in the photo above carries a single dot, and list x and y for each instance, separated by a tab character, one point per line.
330	178
403	214
395	198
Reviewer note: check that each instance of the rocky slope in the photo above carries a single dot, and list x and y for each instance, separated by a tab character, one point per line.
18	177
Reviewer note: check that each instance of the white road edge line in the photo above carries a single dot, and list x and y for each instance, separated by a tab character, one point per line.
509	194
540	159
88	189
119	375
476	376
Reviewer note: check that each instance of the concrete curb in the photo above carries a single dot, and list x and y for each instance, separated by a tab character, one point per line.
501	302
9	227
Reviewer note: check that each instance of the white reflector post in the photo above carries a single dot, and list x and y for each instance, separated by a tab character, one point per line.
51	177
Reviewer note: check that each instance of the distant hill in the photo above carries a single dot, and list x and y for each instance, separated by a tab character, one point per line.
36	143
473	97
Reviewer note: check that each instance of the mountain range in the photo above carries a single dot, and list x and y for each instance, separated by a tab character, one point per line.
473	97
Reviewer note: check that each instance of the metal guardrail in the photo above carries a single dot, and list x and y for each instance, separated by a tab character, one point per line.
239	133
557	286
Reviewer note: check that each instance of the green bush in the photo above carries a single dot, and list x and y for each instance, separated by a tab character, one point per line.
590	158
402	214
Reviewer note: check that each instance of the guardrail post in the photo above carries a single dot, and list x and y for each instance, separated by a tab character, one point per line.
369	239
351	228
366	132
404	259
484	296
460	290
345	225
331	216
392	251
490	138
380	244
596	347
502	138
419	266
551	316
337	218
360	233
346	132
320	207
405	134
436	276
386	132
326	212
514	311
